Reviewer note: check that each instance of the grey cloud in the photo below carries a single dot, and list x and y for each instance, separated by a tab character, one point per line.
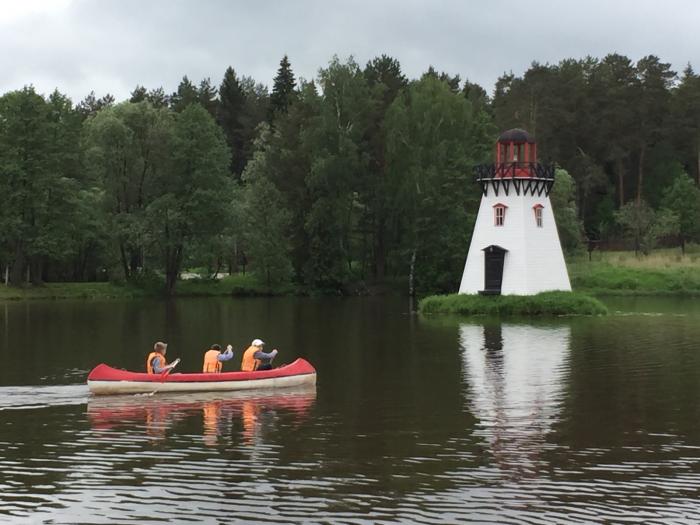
110	46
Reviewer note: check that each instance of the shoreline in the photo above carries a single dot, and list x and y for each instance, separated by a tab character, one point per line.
598	278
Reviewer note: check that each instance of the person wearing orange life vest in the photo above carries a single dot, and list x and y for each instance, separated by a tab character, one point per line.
255	359
214	357
155	362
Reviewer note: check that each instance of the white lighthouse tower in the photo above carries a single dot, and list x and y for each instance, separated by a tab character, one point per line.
515	248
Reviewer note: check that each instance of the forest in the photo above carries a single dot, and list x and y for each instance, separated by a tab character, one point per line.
358	175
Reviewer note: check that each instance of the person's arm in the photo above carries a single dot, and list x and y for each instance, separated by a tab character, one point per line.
158	369
225	356
262	355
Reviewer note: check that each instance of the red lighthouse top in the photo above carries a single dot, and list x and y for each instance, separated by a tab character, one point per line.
515	166
517	149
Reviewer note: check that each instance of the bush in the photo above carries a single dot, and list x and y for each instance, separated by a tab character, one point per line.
546	303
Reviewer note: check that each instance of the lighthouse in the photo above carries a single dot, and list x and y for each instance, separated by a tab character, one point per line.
515	248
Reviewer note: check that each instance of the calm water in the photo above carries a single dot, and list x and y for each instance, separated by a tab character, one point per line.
413	420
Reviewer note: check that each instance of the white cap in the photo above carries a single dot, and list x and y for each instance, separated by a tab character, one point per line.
257	342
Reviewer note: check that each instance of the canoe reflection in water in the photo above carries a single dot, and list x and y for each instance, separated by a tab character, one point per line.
220	412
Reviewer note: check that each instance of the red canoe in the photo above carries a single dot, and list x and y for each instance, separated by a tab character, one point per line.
107	380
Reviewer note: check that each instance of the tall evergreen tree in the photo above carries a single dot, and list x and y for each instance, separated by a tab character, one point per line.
157	98
283	89
207	96
685	106
138	94
655	80
231	118
186	94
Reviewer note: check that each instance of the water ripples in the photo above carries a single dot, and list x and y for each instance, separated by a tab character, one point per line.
513	424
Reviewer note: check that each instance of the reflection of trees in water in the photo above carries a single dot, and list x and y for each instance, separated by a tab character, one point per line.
515	388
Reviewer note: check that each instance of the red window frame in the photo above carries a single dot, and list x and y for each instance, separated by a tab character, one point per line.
499	214
538	214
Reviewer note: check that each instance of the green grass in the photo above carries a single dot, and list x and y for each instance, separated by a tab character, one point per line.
623	274
547	303
71	291
663	272
235	285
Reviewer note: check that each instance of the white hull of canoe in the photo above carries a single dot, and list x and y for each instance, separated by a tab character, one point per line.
146	387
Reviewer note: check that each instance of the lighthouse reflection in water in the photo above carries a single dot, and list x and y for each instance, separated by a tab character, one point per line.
515	376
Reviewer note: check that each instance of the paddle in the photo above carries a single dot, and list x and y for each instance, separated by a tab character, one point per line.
165	373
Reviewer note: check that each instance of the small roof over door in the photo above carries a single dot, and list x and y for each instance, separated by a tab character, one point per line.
494	248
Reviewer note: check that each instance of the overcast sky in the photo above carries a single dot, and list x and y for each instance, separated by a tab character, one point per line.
110	46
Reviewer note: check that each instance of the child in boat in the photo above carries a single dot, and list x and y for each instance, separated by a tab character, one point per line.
255	359
155	362
214	357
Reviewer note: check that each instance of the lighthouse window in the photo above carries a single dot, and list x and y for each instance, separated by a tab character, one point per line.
538	215
504	153
500	214
518	155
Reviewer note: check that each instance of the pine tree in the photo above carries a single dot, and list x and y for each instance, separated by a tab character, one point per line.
283	90
186	94
138	94
230	113
207	96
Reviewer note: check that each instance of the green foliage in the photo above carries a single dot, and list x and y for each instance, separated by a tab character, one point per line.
38	170
231	117
682	198
546	303
368	174
185	95
563	199
283	89
336	143
187	207
606	278
266	225
240	285
429	138
127	147
637	219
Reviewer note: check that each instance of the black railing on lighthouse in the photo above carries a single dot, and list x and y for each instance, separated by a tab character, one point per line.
528	177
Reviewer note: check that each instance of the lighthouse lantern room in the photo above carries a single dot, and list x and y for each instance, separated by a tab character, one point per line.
515	246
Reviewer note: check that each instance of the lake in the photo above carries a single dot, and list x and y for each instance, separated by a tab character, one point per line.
413	419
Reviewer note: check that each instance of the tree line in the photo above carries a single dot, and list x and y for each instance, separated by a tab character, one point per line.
360	175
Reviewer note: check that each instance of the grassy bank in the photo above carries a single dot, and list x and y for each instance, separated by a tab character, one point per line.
664	272
547	303
235	285
71	291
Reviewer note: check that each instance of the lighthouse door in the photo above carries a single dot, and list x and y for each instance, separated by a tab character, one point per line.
494	257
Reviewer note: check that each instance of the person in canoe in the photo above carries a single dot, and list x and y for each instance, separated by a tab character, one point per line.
214	357
254	358
155	362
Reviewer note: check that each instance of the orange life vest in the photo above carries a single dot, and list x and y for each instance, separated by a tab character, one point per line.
211	363
149	361
249	363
